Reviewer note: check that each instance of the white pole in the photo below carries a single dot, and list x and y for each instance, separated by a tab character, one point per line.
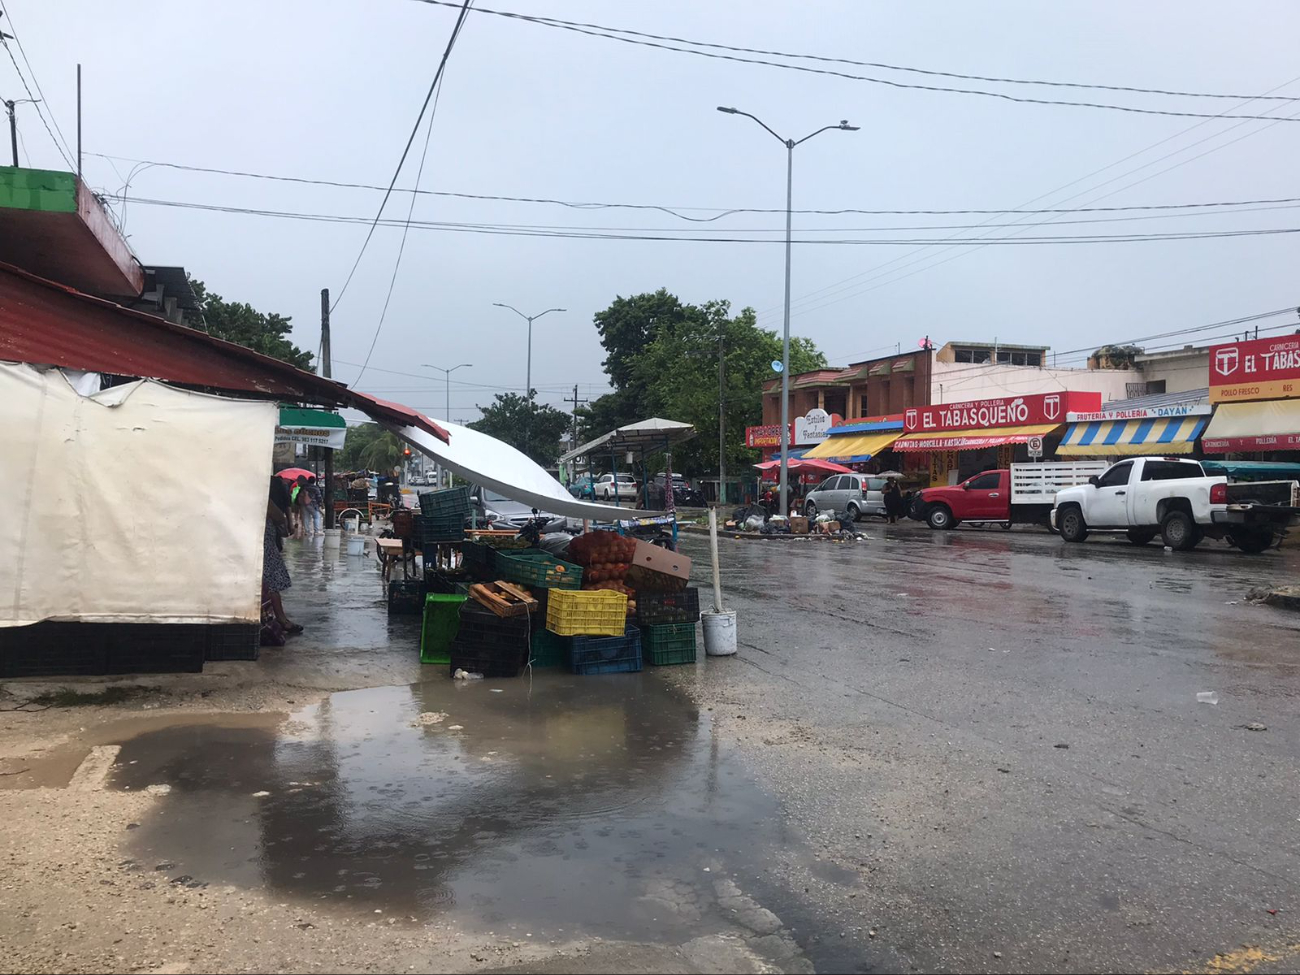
713	551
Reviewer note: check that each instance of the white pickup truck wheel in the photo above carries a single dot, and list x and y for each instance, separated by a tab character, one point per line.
1252	541
1180	532
1071	524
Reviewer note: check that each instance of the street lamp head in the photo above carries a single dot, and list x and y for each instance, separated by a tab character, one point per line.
728	111
844	124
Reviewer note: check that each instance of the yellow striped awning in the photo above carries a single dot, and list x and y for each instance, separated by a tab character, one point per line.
1114	438
850	449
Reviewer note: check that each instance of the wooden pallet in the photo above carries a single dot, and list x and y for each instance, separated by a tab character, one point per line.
503	598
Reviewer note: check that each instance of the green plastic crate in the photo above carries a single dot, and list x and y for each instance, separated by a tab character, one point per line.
549	649
668	643
538	569
441	624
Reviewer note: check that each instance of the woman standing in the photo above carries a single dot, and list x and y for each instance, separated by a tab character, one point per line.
275	576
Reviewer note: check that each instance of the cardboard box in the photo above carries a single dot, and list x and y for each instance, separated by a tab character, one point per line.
798	525
658	559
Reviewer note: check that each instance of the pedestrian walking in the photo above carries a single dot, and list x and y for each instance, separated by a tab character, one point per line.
893	501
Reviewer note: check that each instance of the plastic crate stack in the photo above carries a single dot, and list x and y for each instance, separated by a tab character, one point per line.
440	627
667	621
442	516
588	631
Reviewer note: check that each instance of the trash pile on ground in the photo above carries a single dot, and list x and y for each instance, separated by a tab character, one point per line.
603	603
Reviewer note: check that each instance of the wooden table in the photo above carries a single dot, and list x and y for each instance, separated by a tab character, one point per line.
393	550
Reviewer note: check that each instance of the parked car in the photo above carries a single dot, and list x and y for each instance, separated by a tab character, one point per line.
625	487
498	511
684	496
1175	499
853	495
1024	494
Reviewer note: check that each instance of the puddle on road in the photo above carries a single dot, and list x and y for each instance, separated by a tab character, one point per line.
600	804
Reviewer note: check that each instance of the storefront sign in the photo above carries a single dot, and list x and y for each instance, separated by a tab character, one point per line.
315	428
1241	445
814	427
1258	369
1148	413
1008	411
764	436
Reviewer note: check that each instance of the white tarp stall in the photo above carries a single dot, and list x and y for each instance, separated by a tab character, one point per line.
487	461
138	504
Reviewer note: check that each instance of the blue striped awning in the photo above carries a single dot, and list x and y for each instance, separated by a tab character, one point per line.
1152	435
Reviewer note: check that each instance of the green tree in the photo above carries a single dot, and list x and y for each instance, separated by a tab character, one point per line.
370	446
662	359
531	427
244	325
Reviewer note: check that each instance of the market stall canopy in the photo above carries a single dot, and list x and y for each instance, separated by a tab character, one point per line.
1148	435
642	437
805	466
1244	427
489	462
45	323
974	439
316	428
854	449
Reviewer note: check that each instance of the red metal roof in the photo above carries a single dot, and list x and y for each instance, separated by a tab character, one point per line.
45	323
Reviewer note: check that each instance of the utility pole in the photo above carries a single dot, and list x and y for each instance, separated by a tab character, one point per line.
325	369
722	417
575	401
13	130
78	121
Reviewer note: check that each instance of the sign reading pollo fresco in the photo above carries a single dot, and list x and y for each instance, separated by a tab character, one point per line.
1009	411
1258	369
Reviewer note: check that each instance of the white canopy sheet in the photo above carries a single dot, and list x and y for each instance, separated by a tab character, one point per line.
487	461
141	503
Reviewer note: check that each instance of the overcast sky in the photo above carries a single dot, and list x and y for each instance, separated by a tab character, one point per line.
330	90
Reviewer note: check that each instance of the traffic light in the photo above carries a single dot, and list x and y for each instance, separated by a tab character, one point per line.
407	451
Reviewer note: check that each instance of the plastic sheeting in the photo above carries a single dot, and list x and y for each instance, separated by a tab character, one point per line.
487	461
141	503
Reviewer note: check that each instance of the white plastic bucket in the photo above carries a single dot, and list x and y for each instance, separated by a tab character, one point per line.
719	633
332	539
356	544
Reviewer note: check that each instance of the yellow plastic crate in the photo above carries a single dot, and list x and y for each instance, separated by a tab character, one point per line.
572	612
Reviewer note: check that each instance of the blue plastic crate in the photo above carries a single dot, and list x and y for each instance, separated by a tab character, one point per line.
606	654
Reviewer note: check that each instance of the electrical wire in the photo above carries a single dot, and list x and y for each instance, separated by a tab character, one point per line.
37	105
35	81
675	210
437	77
859	64
594	30
523	231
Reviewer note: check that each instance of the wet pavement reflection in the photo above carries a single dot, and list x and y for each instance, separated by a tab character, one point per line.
599	803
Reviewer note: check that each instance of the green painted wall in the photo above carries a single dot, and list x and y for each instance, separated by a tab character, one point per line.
38	189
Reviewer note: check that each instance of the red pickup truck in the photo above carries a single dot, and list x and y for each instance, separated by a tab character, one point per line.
1022	495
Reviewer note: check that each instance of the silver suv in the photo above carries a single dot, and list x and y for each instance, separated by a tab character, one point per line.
853	495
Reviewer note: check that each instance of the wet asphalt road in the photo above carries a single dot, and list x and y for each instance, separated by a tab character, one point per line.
999	736
876	782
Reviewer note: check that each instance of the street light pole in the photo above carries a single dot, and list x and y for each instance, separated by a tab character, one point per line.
785	340
446	373
528	382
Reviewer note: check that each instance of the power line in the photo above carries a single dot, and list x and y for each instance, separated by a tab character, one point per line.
35	81
37	105
674	210
437	76
859	64
524	231
594	30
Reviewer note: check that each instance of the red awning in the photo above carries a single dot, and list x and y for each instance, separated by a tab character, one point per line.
972	439
805	466
45	323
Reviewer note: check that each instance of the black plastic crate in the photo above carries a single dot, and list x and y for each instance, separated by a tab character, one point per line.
488	644
489	666
480	560
51	649
406	596
432	530
480	623
233	641
606	654
662	608
450	501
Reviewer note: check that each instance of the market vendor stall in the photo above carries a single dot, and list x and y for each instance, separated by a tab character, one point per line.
633	444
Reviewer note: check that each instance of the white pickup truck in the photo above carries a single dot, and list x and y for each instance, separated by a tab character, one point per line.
1149	496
